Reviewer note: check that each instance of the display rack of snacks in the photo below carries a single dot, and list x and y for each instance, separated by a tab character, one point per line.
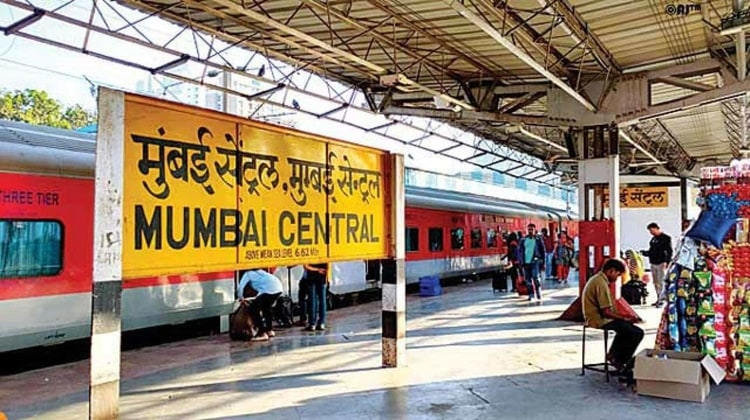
708	308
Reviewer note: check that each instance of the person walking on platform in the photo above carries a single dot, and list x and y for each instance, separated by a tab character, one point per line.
514	264
659	255
549	254
599	311
303	297
266	289
531	253
563	257
317	275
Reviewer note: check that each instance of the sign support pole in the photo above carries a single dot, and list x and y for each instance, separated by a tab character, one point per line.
394	276
104	390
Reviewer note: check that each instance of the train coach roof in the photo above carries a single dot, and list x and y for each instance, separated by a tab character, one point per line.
41	136
458	201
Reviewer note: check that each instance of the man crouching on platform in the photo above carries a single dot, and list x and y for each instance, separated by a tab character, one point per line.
266	289
599	311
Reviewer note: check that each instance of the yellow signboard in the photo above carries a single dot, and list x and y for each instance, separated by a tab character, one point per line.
206	192
641	197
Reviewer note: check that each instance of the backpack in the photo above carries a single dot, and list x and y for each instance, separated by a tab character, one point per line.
282	311
634	292
241	323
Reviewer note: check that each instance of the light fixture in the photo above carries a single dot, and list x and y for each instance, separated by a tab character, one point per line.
529	134
735	29
637	165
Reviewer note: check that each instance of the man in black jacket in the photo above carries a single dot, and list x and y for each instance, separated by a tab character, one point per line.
659	255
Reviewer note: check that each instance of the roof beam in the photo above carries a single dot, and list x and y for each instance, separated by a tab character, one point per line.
521	89
696	68
579	30
684	83
508	44
235	39
23	22
529	35
371	32
446	114
454	51
732	90
522	102
265	20
375	68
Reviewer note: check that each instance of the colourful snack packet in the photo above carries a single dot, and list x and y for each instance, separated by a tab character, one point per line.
719	282
708	346
703	279
706	306
707	329
674	335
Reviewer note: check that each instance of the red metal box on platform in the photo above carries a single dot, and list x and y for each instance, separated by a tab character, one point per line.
676	375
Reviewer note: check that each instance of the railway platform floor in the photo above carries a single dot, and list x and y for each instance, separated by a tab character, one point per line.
471	354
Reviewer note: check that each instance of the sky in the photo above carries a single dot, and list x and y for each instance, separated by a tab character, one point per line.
65	75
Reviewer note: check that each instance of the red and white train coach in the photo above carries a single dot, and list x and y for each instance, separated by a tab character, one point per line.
46	232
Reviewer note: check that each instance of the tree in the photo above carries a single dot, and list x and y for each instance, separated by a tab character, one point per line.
36	107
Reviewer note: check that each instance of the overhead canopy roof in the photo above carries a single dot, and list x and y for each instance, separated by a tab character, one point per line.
488	66
519	73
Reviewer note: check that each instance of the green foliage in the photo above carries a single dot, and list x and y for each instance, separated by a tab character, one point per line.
36	107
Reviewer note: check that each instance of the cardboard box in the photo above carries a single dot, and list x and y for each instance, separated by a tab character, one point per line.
681	376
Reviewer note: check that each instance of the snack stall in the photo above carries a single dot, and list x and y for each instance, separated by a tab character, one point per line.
708	307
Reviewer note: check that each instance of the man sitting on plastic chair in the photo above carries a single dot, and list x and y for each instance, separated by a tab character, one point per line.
600	311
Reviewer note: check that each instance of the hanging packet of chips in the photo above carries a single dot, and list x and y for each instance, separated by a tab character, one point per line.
706	305
719	282
703	280
708	346
707	329
687	253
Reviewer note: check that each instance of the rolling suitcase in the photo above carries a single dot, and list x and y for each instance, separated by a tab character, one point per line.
498	282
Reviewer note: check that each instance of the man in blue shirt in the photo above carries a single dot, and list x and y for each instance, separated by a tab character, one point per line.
531	254
266	289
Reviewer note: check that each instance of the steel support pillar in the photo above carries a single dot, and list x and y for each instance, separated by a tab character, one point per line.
394	274
598	209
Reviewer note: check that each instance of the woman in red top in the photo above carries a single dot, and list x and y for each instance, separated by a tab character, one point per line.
513	261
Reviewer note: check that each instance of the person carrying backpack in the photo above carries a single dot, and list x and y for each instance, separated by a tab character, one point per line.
531	253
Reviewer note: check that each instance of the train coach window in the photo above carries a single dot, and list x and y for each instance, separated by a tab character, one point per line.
476	238
412	239
30	248
491	238
457	238
436	239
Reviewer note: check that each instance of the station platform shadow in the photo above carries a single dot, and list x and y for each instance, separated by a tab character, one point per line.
467	338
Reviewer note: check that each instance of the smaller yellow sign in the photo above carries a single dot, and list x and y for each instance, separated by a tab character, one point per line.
641	197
